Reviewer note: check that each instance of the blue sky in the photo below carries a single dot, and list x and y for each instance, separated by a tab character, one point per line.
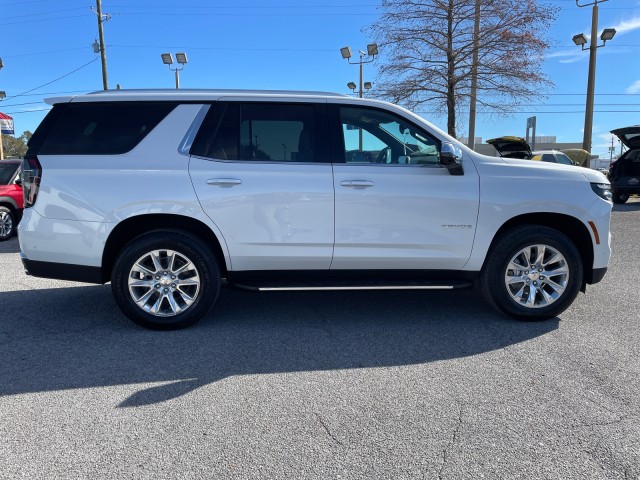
286	44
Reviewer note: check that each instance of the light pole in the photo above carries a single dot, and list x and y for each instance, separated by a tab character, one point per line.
581	40
181	58
370	54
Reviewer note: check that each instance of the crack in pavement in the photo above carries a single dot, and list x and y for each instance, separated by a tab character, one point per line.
326	429
452	442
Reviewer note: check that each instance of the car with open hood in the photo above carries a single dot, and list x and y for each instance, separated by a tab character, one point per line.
624	173
517	147
511	147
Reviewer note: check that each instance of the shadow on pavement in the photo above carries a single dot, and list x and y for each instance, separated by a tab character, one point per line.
76	337
10	246
632	205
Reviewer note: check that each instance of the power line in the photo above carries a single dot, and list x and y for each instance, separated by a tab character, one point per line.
557	112
43	20
46	52
52	93
249	7
43	13
515	112
29	111
22	3
20	104
252	49
52	81
243	14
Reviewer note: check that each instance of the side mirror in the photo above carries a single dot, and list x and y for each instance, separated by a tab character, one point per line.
18	181
450	157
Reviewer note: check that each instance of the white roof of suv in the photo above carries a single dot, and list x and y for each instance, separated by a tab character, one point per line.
184	95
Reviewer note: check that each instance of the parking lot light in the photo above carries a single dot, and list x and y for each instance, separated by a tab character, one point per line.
365	57
607	34
345	52
181	58
580	39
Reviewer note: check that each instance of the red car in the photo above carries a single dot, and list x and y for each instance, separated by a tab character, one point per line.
11	201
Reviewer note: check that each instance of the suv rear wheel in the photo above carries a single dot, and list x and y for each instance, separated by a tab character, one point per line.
165	280
532	273
7	224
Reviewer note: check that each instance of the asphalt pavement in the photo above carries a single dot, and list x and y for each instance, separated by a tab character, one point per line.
350	385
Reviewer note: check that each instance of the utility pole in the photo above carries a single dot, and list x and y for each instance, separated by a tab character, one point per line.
471	142
103	53
581	40
611	150
591	82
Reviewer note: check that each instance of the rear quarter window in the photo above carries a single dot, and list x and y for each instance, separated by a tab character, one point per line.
96	128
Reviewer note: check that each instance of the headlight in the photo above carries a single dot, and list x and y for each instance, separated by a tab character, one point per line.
603	190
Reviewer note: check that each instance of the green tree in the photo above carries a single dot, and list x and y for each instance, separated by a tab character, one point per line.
15	146
427	49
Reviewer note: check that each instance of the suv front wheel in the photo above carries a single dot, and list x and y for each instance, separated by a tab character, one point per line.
532	273
165	280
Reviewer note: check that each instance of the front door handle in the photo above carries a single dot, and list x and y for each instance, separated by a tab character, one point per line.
224	182
357	183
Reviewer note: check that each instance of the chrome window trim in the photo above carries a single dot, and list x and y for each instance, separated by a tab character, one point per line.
189	137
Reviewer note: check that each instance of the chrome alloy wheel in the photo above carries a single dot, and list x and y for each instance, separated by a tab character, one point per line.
6	224
164	283
537	276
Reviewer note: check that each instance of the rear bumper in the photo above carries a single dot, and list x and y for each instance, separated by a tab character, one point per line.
62	271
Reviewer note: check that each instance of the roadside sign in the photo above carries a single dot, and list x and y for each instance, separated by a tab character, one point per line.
6	124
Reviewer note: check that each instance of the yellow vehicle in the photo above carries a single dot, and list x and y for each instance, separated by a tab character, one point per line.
578	155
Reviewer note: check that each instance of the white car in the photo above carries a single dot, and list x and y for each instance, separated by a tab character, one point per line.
170	194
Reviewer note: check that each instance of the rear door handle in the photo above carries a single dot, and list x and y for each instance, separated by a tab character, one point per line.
224	182
357	183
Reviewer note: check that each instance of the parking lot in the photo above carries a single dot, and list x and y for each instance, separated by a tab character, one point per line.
322	385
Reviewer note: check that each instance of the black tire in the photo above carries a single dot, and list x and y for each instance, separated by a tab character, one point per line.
501	296
172	312
7	224
619	197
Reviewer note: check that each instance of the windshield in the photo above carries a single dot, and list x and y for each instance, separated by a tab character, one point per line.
7	170
562	158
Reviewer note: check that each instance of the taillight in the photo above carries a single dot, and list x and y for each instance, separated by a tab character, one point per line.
31	174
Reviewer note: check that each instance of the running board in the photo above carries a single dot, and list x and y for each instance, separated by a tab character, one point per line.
271	287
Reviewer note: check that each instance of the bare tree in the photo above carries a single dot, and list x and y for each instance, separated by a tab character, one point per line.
428	47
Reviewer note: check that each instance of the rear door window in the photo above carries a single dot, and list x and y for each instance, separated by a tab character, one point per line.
265	132
97	128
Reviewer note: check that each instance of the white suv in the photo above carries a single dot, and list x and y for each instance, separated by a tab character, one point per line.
170	194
